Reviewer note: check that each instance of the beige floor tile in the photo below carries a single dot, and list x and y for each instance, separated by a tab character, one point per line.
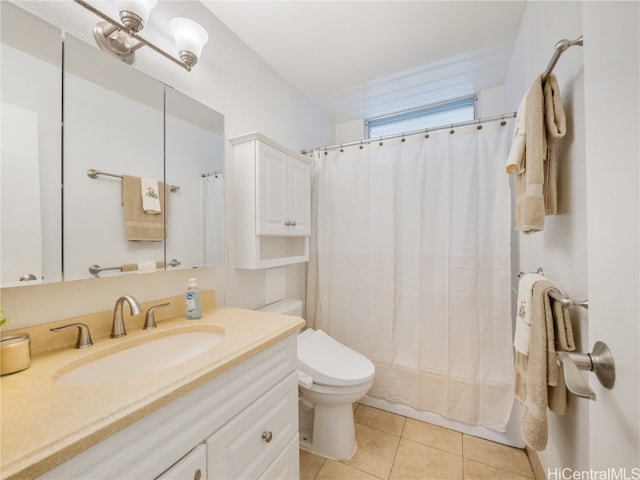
479	471
507	458
310	465
376	451
380	419
415	461
332	470
433	436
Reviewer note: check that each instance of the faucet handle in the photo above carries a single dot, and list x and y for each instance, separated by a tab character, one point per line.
84	337
149	320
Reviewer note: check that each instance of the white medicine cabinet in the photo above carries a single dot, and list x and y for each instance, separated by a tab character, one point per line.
272	198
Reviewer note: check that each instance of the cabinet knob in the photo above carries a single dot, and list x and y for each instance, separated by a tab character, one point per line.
197	475
267	436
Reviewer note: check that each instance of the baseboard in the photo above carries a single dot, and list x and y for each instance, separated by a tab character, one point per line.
536	466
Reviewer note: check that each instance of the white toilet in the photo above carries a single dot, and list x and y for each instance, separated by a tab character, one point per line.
331	377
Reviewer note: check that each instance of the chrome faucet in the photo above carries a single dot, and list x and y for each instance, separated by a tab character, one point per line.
117	329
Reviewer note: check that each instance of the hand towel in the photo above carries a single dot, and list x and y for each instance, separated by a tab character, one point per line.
555	130
523	313
530	209
550	331
516	158
150	196
138	225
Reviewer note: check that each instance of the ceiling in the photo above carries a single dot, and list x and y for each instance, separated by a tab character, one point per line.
362	58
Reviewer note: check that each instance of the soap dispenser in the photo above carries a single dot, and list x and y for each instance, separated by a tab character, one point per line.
193	310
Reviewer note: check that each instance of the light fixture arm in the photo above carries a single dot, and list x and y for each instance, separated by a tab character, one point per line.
142	41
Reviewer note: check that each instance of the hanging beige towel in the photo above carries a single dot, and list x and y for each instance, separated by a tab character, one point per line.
139	225
555	130
537	372
530	209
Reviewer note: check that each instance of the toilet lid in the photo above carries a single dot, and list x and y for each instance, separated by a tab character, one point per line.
329	362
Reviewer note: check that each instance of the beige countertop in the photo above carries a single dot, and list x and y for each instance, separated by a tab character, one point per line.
44	423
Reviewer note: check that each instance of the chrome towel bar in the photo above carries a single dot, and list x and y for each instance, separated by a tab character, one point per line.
97	269
93	173
565	301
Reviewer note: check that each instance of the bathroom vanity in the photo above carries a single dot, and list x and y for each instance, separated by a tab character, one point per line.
229	412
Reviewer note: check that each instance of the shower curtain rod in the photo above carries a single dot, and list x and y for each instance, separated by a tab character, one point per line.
452	126
561	47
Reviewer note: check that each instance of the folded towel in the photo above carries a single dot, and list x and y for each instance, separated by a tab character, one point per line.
523	314
150	196
516	158
134	267
556	129
530	209
138	225
550	331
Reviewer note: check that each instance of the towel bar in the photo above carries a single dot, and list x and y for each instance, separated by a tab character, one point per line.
565	301
96	269
93	173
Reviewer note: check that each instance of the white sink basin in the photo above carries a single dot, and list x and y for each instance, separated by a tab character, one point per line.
147	357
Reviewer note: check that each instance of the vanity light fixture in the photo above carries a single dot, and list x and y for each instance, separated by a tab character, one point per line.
119	39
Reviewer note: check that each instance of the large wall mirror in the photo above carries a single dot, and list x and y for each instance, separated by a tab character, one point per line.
141	165
31	69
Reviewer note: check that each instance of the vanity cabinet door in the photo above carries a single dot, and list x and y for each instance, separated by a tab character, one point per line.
251	442
192	466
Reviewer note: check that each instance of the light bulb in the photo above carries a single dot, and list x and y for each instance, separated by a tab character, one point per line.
139	8
190	37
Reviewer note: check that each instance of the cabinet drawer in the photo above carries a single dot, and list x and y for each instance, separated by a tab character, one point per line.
250	442
192	466
287	465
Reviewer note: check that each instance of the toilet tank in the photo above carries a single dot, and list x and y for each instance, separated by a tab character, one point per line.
288	306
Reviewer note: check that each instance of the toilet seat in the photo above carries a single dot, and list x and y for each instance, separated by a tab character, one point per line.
331	363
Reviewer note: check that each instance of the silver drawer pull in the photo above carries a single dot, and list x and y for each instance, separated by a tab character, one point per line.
267	436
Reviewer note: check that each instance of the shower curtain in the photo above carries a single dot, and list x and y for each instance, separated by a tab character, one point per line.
410	266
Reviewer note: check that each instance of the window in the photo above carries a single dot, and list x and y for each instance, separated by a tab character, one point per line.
437	115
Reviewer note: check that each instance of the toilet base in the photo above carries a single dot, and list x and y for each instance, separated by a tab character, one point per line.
333	435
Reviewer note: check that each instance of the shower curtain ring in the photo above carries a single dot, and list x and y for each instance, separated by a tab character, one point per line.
341	149
426	133
380	143
361	146
403	139
503	122
452	131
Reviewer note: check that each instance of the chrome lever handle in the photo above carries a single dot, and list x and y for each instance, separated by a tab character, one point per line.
149	319
599	361
84	337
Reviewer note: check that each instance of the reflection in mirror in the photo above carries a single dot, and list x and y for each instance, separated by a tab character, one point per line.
31	56
113	122
194	151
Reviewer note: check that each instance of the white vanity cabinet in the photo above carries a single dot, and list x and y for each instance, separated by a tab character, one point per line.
241	424
192	466
272	199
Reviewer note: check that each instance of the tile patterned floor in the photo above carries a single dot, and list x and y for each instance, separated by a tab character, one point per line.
393	447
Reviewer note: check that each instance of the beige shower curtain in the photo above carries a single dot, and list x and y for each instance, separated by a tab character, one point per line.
410	266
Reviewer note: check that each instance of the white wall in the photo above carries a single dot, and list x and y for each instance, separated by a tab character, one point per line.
591	248
229	78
